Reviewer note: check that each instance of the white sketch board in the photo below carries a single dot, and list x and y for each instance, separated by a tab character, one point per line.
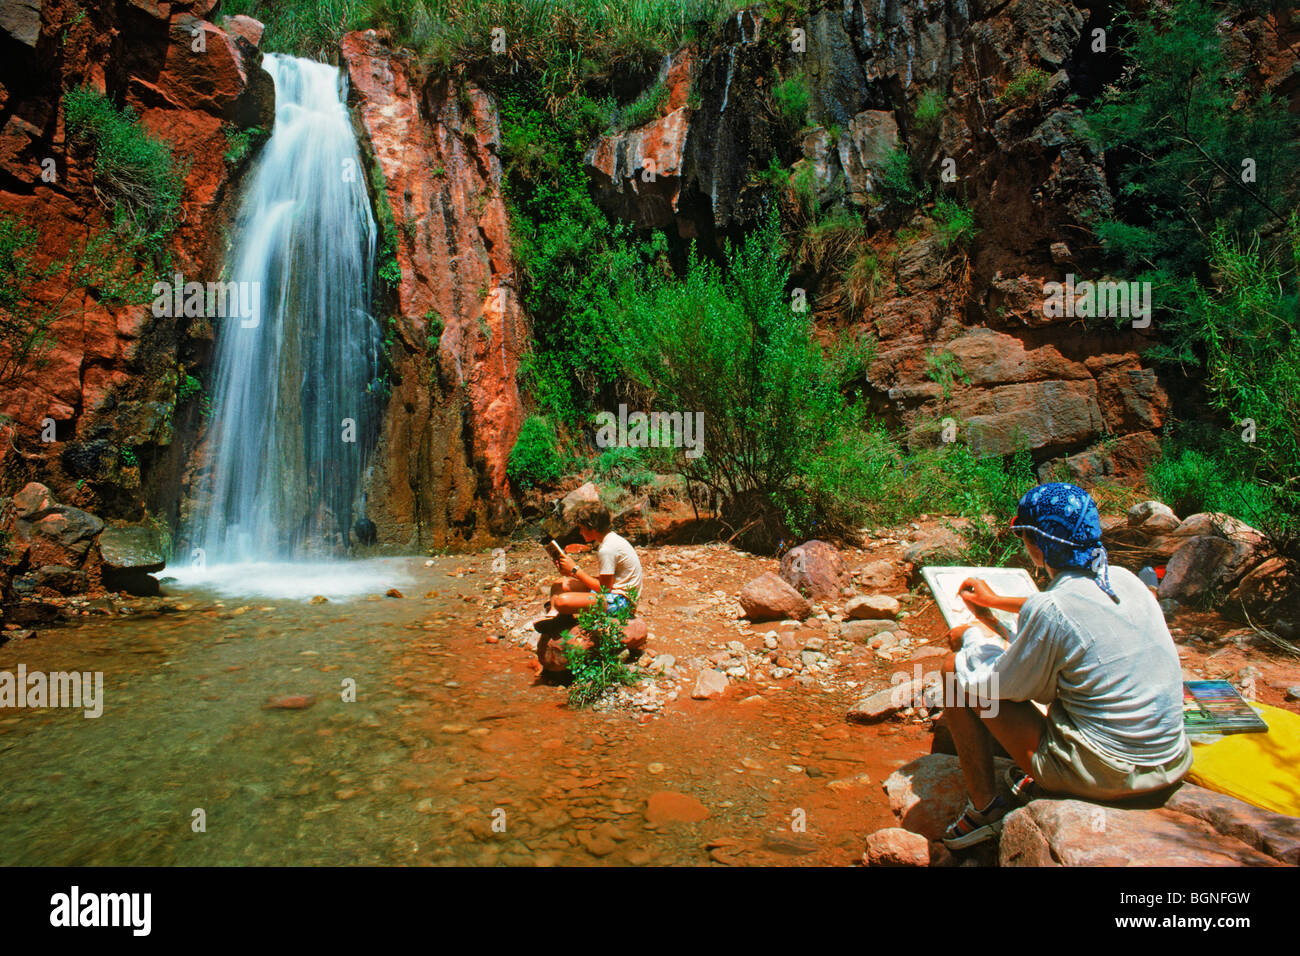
945	580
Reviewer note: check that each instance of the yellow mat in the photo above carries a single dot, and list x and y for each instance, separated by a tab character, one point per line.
1262	769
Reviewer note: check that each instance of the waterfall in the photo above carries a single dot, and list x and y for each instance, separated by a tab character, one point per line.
295	389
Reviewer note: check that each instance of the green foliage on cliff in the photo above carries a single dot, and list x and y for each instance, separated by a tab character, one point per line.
535	459
572	257
792	98
241	142
310	28
1025	88
136	175
390	271
25	318
645	107
573	40
1207	172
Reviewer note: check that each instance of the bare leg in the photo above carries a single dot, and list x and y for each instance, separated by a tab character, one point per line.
571	602
1017	725
562	587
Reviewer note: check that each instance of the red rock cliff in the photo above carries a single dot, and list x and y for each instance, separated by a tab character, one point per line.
110	381
439	472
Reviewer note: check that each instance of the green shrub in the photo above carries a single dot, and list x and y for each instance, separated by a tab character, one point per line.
645	107
898	181
239	143
929	109
955	224
944	369
1192	479
535	459
25	316
188	388
791	98
134	172
602	666
726	342
1025	88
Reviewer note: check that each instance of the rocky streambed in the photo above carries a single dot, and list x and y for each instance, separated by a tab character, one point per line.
417	729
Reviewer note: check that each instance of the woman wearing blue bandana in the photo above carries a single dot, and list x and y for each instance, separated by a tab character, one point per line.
1094	646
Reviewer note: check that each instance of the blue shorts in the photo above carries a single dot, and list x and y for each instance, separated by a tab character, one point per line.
615	602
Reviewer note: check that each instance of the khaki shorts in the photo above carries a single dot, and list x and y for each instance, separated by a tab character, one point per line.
1065	763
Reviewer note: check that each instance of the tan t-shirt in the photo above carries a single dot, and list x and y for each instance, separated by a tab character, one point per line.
619	559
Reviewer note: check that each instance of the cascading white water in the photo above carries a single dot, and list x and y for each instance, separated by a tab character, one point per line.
295	393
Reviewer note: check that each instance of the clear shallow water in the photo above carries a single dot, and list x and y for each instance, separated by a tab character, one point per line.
285	580
448	734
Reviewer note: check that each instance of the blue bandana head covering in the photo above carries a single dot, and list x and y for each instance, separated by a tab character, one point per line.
1066	525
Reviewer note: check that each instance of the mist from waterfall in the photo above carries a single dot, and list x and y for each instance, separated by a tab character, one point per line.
295	394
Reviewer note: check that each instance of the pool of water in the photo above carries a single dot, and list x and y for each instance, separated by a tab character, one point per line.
423	742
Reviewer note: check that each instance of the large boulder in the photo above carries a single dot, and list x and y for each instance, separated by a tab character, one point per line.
131	554
928	794
551	647
1268	589
769	598
1194	827
1201	565
51	533
561	525
815	569
1078	833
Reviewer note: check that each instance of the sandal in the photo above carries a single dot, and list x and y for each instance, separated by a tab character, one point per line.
1023	787
976	826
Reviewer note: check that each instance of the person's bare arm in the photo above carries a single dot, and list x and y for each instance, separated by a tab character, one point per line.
977	595
570	567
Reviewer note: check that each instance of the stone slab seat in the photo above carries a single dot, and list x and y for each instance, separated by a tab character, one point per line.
1190	827
550	647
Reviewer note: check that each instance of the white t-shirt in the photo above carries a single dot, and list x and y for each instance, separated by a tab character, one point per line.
1112	667
619	559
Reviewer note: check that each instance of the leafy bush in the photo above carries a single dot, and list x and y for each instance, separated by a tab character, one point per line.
602	666
898	180
792	98
135	174
239	143
929	109
535	459
645	107
1024	88
728	344
25	318
955	224
1180	129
